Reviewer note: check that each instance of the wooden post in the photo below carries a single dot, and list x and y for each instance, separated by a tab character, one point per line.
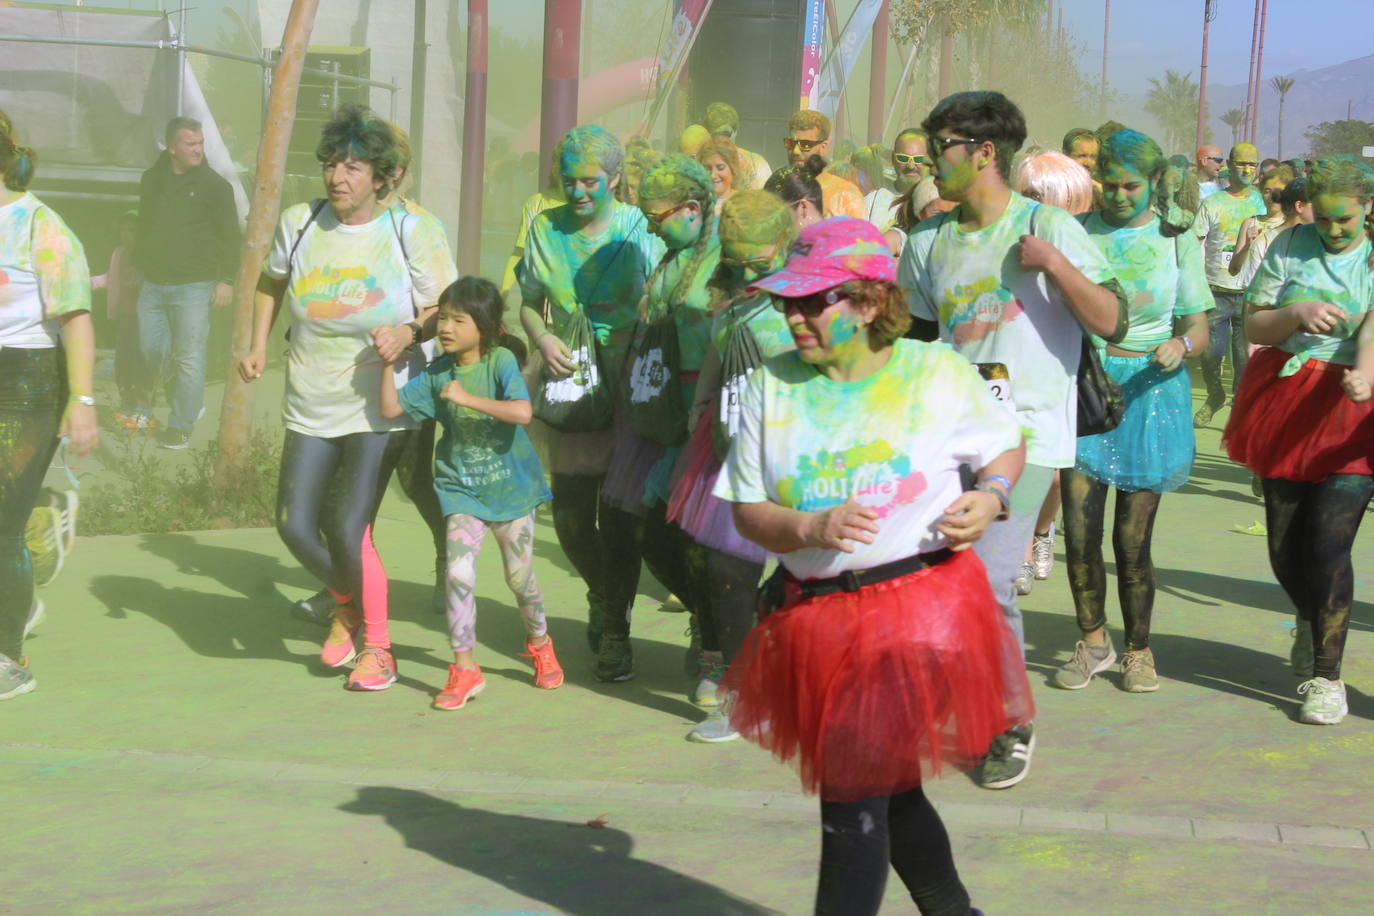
562	63
474	142
877	76
236	414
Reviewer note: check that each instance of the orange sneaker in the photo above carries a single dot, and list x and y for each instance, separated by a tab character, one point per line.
376	670
463	684
548	674
341	645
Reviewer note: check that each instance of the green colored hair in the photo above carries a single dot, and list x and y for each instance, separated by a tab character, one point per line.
594	141
1342	176
679	178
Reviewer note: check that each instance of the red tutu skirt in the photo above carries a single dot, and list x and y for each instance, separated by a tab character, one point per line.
1301	427
871	692
709	520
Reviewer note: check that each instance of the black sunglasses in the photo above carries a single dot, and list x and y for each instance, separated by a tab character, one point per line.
811	305
946	142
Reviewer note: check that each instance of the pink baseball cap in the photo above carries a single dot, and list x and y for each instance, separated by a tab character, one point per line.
831	252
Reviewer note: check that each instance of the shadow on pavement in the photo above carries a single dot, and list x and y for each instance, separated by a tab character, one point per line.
1204	663
253	575
212	625
569	866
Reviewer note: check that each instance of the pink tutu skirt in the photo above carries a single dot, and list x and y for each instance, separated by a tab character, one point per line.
707	519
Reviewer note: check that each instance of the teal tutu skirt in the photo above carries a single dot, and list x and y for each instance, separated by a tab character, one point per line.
1153	447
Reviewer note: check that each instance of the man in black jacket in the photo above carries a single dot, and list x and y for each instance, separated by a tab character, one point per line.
187	249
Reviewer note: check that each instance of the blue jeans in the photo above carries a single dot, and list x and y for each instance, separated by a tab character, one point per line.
173	323
1226	325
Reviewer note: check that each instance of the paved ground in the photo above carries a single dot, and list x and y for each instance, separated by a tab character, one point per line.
186	751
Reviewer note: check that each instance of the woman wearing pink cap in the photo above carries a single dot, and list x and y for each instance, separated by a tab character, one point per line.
886	658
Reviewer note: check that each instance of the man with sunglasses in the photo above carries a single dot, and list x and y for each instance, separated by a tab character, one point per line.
1006	280
1218	223
910	164
809	135
1209	164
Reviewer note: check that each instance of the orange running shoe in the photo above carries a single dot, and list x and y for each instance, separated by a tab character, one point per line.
376	670
548	674
341	645
463	684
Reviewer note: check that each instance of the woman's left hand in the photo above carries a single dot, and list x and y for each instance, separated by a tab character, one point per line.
80	428
968	517
1169	355
1038	254
390	343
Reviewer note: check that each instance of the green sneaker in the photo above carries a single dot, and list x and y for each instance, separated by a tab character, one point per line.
614	659
1088	660
1008	760
1301	656
15	678
1138	672
1323	703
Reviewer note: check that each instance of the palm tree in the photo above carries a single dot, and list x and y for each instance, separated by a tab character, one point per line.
1174	104
1281	85
1233	119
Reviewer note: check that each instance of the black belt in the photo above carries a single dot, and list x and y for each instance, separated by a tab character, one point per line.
854	579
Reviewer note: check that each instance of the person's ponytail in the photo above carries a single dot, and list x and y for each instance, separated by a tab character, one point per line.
19	168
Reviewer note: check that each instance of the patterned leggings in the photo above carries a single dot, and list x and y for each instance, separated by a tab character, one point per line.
516	540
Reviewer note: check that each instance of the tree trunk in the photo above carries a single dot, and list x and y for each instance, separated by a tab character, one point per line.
236	414
1283	97
946	56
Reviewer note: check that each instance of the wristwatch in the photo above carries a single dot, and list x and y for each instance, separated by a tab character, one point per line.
83	399
990	485
416	332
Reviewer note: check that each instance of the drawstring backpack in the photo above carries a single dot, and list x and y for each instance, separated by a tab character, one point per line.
741	357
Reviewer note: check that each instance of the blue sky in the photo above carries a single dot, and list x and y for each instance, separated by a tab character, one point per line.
1148	36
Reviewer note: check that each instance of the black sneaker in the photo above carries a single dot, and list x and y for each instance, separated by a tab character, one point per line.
317	609
1008	760
615	659
173	439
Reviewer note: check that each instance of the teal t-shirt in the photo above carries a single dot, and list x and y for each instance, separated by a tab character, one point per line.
1162	278
602	275
482	467
1298	268
1218	224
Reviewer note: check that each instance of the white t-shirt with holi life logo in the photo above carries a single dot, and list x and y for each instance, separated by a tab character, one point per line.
992	311
894	441
344	282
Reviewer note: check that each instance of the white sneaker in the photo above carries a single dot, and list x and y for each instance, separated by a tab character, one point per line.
714	729
1042	554
1324	703
1025	579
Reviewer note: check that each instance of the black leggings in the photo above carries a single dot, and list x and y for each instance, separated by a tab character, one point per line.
33	392
1085	500
336	546
415	471
602	543
1312	527
665	548
727	600
859	839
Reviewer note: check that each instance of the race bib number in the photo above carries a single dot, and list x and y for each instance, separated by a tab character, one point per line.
998	380
573	388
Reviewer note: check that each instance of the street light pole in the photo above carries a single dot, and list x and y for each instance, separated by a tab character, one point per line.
1209	12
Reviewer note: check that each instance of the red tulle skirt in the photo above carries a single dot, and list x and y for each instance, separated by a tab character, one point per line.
1301	427
871	692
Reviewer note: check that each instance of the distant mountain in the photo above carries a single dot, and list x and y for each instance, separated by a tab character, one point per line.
1316	96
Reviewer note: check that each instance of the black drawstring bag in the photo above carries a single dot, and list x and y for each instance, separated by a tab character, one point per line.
740	359
581	402
654	383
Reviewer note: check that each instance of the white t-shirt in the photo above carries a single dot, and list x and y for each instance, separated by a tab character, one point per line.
346	281
43	274
992	311
1218	225
894	441
878	208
